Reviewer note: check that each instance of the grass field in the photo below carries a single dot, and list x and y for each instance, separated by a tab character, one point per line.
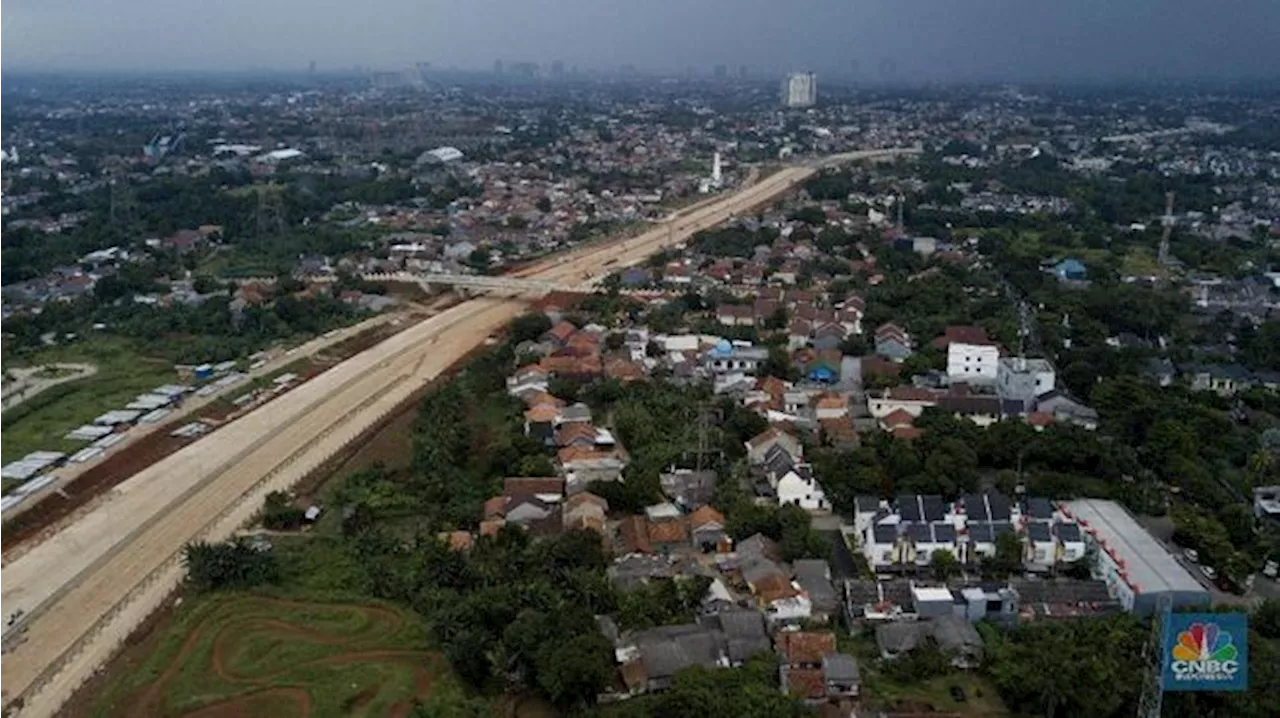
40	422
242	654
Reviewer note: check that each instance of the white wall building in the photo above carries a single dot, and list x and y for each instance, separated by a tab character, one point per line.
800	89
973	363
1023	379
800	488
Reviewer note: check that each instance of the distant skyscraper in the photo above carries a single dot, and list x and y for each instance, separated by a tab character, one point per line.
742	72
721	72
312	67
497	67
557	69
800	89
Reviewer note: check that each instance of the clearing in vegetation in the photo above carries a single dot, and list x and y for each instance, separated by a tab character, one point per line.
241	654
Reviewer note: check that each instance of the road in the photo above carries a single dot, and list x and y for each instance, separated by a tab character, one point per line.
192	405
88	587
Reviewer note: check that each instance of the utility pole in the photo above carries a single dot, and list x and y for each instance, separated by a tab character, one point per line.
122	203
270	212
1168	221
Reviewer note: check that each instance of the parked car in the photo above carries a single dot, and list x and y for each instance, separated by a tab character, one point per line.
1192	555
1208	572
1271	569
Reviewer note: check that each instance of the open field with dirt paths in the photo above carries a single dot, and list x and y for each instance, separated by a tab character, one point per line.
248	655
88	587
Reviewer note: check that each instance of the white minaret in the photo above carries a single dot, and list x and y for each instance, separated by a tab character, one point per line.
716	177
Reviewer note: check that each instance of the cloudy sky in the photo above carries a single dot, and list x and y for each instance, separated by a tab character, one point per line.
924	39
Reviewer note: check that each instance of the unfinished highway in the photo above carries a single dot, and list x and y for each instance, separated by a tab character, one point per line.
85	589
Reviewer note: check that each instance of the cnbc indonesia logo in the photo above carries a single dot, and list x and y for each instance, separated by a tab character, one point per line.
1205	653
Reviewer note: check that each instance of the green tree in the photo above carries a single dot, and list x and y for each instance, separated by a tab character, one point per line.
944	564
231	565
572	672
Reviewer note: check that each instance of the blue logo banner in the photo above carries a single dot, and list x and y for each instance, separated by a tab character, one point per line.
1206	652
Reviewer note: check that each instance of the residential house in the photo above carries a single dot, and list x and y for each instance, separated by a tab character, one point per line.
745	633
799	487
1070	542
758	446
735	315
1070	270
814	577
828	336
549	490
928	538
831	406
558	335
734	358
708	527
668	535
1067	410
526	510
893	342
800	671
783	602
585	511
841	676
584	466
1041	548
958	640
528	380
880	546
633	535
982	538
688	488
911	400
981	410
1022	380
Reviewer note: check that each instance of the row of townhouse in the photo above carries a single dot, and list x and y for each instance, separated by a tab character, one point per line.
905	534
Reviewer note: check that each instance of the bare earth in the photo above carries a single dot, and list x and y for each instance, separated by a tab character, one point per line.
89	586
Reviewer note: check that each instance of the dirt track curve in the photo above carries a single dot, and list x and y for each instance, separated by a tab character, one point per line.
86	588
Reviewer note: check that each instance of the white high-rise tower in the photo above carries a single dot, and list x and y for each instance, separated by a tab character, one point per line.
800	89
716	177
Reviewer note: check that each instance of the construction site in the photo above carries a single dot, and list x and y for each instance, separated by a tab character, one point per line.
81	590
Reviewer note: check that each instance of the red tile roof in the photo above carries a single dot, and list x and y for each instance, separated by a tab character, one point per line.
669	531
704	516
806	647
524	486
896	418
635	534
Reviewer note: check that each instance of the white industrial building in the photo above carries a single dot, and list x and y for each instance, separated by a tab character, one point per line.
1135	566
800	89
972	363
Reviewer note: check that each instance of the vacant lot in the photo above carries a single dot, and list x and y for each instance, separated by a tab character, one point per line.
241	654
41	421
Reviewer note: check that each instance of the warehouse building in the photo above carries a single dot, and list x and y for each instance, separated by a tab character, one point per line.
1135	566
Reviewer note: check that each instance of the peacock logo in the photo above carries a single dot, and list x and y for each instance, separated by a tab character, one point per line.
1205	652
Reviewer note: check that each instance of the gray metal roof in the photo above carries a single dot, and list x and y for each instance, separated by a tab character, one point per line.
1150	566
1039	531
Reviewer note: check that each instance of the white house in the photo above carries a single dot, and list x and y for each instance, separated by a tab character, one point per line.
799	487
911	399
927	538
1070	542
880	546
972	363
1041	548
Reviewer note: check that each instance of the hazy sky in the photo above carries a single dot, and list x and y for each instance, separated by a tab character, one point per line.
925	39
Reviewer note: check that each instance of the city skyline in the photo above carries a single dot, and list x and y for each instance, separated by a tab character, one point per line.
924	40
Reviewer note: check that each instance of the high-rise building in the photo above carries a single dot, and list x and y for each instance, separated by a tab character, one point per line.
497	67
721	72
800	89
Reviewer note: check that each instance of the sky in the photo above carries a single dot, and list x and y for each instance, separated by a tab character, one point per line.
917	40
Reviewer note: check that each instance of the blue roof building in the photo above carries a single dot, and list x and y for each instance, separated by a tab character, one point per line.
1070	270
